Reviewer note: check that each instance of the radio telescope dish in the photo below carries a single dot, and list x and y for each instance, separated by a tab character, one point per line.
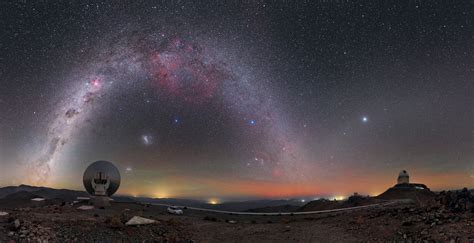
102	170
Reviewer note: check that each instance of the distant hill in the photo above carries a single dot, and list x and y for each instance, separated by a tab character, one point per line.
275	209
325	204
237	206
418	193
254	204
320	204
170	201
24	193
5	191
44	192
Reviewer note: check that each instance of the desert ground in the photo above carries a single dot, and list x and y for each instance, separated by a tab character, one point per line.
400	221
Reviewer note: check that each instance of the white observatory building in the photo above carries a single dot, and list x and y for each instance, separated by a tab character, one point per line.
406	190
403	177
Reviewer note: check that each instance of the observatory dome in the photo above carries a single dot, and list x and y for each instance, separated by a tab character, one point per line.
403	177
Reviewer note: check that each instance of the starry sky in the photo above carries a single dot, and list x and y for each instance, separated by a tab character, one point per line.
231	99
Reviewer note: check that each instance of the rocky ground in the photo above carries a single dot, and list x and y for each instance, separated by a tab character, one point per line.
397	222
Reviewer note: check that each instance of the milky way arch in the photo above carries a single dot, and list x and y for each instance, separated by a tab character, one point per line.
182	68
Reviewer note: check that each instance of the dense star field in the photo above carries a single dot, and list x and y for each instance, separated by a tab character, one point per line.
238	100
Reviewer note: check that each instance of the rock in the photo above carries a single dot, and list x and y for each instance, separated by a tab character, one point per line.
3	213
137	220
16	224
38	199
115	223
85	207
407	223
232	222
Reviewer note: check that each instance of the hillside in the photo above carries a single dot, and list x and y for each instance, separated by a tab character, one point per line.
26	192
44	192
419	195
325	204
273	209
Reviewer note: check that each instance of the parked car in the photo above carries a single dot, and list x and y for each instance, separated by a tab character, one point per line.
175	210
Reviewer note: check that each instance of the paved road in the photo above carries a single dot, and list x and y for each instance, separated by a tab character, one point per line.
285	213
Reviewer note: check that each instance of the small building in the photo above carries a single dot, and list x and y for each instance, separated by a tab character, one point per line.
38	202
403	177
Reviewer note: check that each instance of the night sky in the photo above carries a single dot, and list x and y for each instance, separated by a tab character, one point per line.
229	99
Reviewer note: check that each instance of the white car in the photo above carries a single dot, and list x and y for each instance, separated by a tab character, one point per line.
175	210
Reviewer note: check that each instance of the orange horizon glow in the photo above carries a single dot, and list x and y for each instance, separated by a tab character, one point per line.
214	189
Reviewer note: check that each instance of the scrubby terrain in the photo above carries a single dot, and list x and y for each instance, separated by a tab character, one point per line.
441	217
399	221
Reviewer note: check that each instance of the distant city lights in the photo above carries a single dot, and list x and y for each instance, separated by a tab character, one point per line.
213	201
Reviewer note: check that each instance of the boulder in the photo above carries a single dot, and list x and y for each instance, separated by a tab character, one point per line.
137	220
16	224
85	207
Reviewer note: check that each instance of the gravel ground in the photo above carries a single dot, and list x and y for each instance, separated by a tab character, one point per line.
400	222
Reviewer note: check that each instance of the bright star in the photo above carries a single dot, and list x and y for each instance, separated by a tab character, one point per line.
147	140
252	122
365	119
176	120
